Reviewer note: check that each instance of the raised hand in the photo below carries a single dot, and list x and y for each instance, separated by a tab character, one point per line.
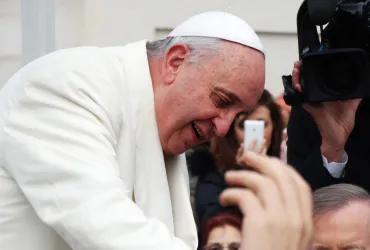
275	201
335	121
252	147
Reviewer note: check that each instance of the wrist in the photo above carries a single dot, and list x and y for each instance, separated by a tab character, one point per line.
332	153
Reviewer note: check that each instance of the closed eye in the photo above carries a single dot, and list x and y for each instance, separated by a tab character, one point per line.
222	102
222	98
353	247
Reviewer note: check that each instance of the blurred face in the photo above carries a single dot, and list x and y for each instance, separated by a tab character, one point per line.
196	101
261	113
225	237
345	229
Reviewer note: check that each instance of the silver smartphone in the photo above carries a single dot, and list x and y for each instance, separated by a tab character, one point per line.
254	131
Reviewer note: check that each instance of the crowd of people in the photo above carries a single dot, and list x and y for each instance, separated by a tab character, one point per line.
96	145
220	227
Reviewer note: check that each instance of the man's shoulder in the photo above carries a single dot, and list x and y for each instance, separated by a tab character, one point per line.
79	56
74	73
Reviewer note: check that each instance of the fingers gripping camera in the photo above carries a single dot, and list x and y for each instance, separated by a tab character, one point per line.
334	63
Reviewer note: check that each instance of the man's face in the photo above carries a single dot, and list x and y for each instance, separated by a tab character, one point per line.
198	101
345	229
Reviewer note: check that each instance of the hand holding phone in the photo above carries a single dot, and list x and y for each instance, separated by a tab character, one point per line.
254	133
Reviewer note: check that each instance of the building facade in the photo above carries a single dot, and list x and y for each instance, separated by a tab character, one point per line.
117	22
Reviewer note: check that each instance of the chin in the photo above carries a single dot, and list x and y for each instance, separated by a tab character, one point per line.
174	149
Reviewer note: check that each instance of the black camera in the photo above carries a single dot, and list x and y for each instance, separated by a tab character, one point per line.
334	51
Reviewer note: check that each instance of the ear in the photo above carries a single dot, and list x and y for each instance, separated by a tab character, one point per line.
173	60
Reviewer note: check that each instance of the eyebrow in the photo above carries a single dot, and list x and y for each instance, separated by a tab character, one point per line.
229	94
320	247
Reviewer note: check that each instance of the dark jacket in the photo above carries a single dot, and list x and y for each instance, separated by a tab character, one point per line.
210	185
304	141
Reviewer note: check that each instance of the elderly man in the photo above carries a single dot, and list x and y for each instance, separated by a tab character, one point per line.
342	218
91	139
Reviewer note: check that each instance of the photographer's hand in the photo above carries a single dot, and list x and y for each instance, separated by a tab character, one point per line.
240	153
276	203
335	121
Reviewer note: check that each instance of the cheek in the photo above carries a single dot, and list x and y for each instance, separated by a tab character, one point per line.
268	133
239	134
189	110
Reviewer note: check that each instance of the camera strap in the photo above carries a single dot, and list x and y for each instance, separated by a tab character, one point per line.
308	40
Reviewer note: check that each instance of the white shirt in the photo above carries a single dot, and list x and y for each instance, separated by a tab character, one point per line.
336	168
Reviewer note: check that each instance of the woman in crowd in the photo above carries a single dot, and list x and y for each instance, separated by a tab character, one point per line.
225	148
222	231
210	167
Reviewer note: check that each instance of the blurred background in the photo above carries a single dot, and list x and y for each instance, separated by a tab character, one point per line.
31	28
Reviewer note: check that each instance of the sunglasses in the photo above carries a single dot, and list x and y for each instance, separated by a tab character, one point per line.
218	246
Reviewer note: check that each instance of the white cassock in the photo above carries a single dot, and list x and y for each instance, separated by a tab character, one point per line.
78	137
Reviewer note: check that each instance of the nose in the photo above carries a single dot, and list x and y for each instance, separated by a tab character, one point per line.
223	122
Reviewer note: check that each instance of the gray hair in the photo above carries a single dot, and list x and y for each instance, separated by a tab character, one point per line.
335	197
200	47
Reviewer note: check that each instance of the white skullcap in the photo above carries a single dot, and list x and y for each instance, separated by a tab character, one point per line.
221	25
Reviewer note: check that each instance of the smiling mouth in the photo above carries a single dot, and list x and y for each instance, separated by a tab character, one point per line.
196	130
